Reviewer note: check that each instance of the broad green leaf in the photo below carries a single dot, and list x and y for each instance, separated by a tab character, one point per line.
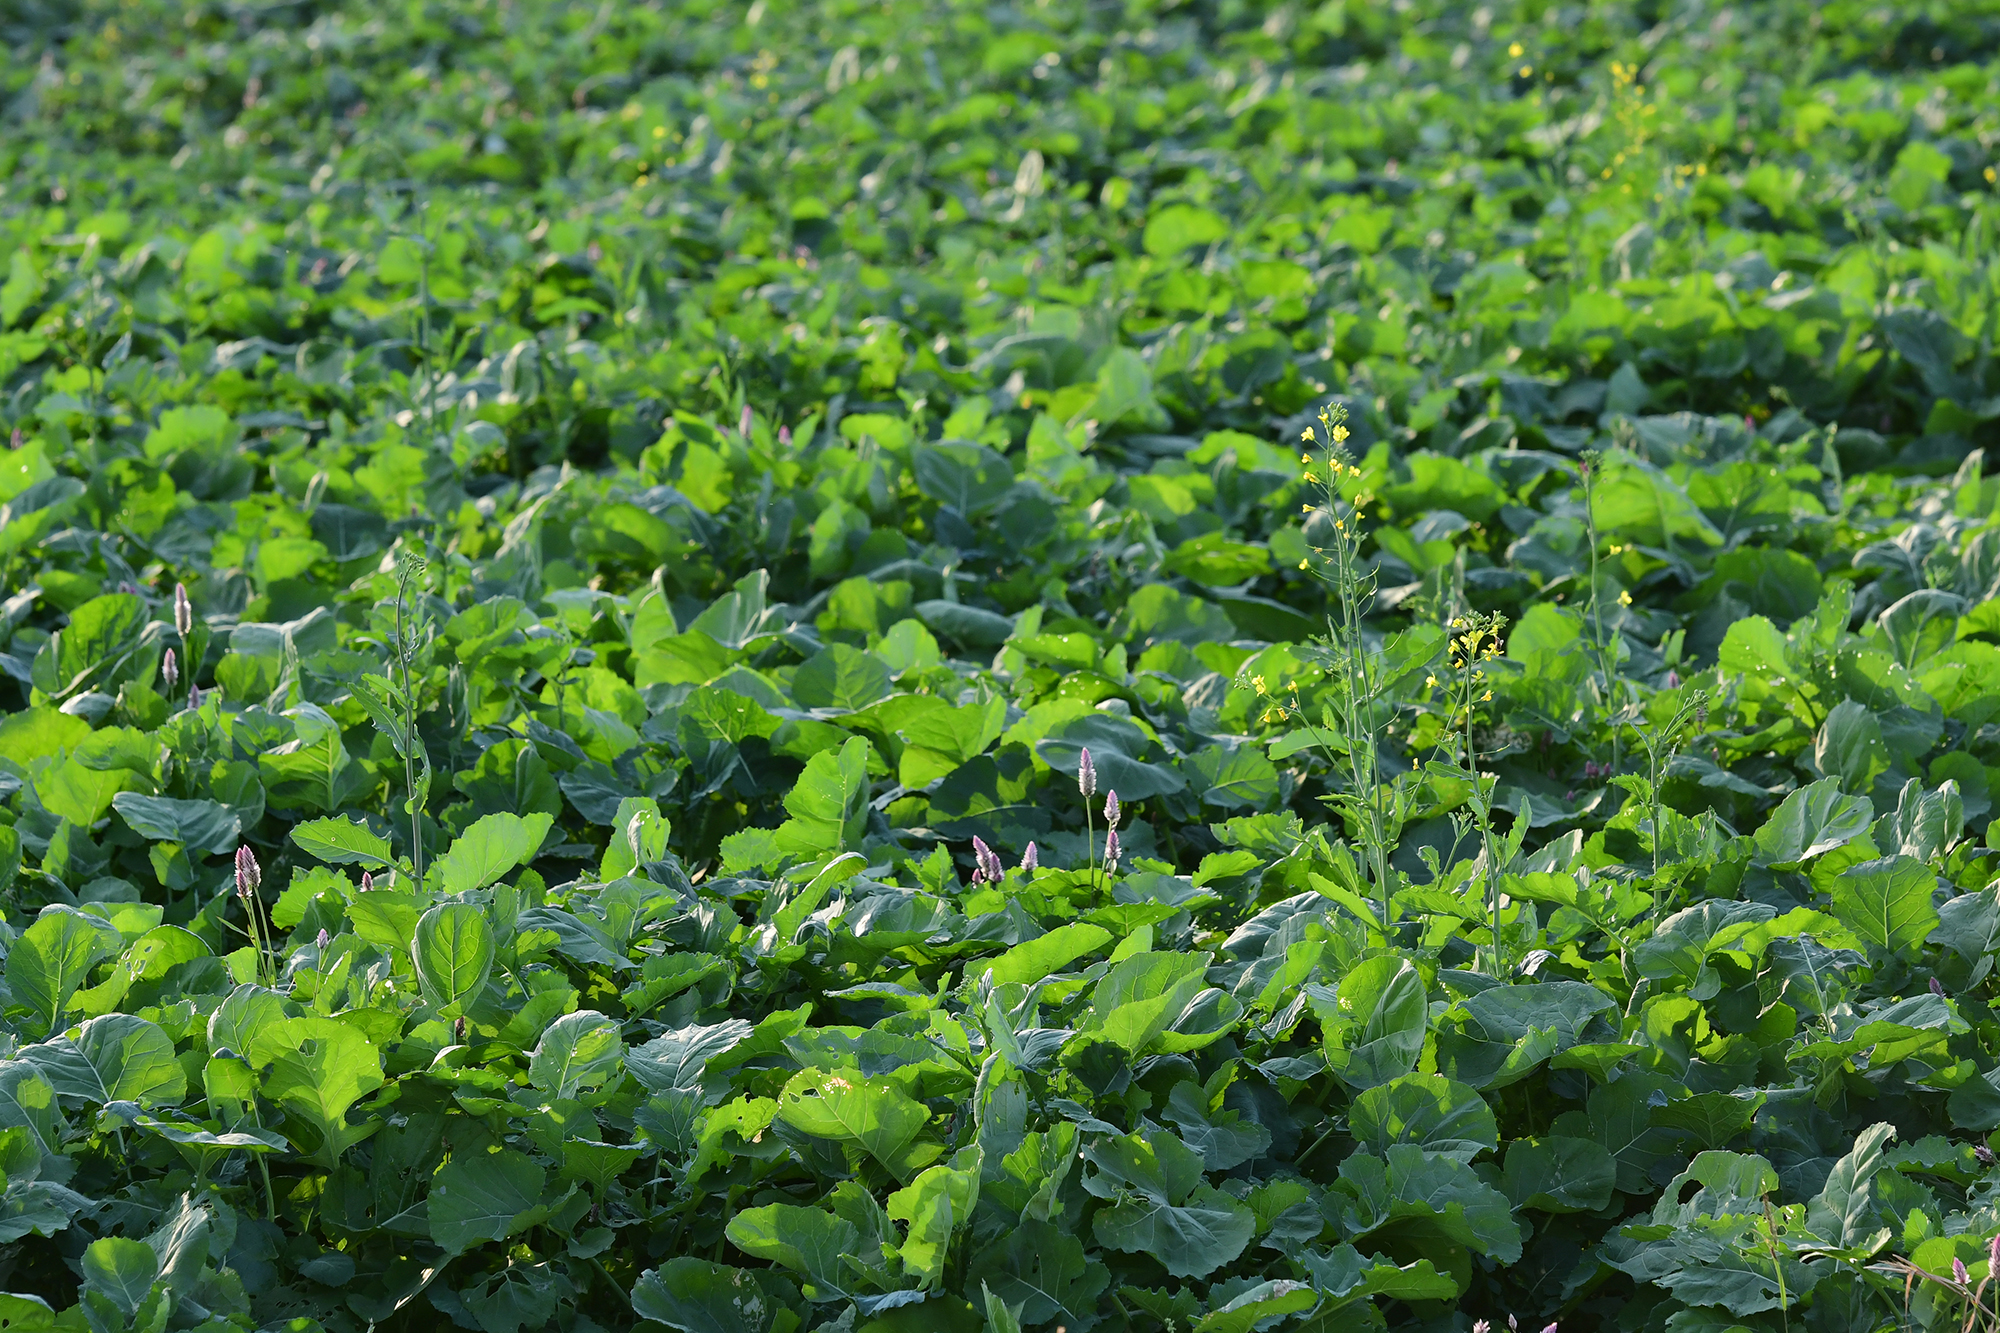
829	803
695	1296
199	825
489	849
1433	1202
453	952
122	1270
676	1058
343	842
1813	820
115	1058
317	1068
1559	1175
52	959
485	1196
1031	960
809	1241
1432	1112
1887	902
1376	1022
845	1105
932	1207
578	1051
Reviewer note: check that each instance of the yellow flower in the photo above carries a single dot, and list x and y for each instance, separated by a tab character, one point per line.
1310	476
1305	564
1307	433
1625	599
1431	681
1306	459
1515	50
1305	509
1258	681
1340	435
1484	697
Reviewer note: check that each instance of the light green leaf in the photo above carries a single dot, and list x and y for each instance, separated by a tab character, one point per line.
343	842
52	959
577	1051
494	845
453	951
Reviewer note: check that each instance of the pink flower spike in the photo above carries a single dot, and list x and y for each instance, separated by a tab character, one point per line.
1958	1273
1086	773
1111	809
183	611
1029	864
324	939
743	422
170	670
367	882
248	874
1111	849
784	435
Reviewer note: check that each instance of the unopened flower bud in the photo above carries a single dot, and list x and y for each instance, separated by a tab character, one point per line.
1111	850
194	698
1937	989
1958	1273
1985	1157
367	882
1086	773
1111	809
248	874
323	940
183	612
170	670
1028	860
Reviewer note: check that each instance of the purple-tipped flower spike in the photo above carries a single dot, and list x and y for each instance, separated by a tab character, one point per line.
1958	1273
170	670
1936	989
1086	773
248	874
323	940
1111	809
784	435
1481	1326
743	422
1111	850
367	882
987	860
1513	1322
1028	860
1985	1157
194	698
183	612
1551	1328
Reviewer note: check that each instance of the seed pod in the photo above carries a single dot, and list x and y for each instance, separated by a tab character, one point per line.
183	612
1086	773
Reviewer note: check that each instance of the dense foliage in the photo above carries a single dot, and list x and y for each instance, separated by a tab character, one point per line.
677	501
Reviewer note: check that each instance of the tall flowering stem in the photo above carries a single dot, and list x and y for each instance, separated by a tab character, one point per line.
1352	718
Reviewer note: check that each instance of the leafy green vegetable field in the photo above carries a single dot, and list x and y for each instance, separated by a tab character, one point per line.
579	581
